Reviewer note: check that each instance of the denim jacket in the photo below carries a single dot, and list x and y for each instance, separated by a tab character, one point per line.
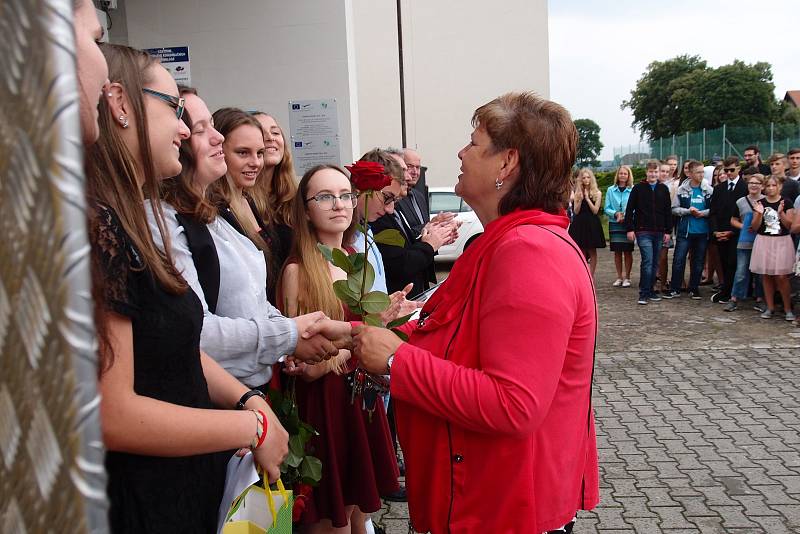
682	201
616	200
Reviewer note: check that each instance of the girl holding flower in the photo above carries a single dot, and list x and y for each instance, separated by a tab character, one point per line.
355	447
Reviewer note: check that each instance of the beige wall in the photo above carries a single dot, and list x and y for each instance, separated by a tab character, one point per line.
259	54
457	56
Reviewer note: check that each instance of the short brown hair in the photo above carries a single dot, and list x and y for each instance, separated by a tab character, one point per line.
731	161
777	156
793	151
546	140
653	164
692	163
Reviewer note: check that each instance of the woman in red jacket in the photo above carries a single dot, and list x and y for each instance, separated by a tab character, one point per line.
493	388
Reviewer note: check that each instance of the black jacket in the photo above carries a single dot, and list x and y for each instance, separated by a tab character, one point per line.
411	263
407	208
649	210
723	205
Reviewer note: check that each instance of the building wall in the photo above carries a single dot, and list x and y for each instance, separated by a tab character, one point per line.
259	54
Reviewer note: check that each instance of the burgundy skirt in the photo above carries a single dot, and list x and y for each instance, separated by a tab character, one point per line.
358	460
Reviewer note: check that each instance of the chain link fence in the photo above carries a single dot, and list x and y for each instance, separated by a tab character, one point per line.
707	144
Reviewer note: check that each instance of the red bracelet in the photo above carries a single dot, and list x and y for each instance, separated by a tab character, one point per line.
260	441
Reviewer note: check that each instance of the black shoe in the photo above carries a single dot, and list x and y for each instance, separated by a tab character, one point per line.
397	496
666	295
378	529
401	465
719	298
695	294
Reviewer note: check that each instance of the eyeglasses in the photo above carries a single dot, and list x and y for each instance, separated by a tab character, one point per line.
388	198
327	201
730	169
177	103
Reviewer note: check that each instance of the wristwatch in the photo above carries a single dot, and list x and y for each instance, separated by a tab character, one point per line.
247	396
389	364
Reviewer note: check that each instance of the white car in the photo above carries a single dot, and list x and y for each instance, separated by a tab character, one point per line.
444	199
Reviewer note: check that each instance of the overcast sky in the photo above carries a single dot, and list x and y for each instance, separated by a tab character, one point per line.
599	49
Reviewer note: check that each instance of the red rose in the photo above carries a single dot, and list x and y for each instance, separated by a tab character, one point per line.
368	175
303	489
298	508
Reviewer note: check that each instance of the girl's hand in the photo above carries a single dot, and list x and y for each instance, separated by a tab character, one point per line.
759	208
397	304
293	367
780	208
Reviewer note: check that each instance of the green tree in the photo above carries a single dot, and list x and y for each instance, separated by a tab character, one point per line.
654	113
684	94
589	144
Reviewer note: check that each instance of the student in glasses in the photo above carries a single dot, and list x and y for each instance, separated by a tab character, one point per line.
166	407
355	448
241	329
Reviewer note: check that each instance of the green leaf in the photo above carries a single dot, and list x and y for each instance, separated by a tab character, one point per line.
293	460
345	294
326	251
296	446
341	260
390	237
399	333
373	320
375	302
399	321
311	468
356	309
355	279
358	259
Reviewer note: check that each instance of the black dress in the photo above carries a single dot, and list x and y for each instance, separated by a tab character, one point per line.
148	493
586	230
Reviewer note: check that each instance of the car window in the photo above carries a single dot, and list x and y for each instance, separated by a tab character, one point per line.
440	202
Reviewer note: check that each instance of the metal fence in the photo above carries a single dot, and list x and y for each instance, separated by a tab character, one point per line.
721	142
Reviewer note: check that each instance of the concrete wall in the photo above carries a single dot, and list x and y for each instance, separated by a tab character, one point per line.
259	54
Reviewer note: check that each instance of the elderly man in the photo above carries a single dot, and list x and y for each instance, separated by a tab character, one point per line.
415	205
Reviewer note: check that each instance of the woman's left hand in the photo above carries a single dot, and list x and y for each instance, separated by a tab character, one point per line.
373	346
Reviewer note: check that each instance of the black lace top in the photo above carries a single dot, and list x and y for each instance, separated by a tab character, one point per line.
155	494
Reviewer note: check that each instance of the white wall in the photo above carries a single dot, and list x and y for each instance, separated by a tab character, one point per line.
459	56
259	54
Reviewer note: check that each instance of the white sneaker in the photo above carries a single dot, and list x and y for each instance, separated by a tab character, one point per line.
617	282
626	283
790	316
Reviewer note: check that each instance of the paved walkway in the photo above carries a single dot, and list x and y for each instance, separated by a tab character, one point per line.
698	419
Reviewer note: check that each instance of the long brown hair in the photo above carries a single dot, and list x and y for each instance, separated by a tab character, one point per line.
222	192
315	291
180	191
273	196
111	180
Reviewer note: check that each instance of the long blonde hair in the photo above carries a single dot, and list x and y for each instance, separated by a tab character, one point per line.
273	196
629	183
594	191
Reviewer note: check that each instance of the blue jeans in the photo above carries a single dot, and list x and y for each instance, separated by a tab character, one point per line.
697	243
741	282
649	248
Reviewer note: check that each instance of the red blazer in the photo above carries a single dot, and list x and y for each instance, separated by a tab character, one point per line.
493	411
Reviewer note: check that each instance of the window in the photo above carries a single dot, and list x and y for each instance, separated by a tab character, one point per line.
440	202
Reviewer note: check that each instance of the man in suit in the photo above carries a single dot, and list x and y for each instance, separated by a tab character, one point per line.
723	205
415	205
413	262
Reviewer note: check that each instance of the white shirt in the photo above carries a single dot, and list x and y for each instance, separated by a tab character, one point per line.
375	259
246	334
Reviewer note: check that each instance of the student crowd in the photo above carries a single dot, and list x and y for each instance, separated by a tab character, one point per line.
738	220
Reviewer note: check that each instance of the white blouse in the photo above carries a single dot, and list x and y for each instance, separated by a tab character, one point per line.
246	334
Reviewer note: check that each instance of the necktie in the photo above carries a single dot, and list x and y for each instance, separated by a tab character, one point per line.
399	219
730	186
417	211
